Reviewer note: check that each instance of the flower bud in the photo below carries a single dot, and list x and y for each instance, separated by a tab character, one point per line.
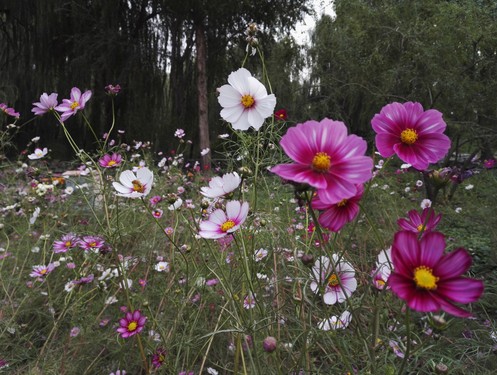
269	344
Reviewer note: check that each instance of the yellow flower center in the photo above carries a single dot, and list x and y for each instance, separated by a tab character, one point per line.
138	186
424	278
227	225
408	136
43	271
93	244
68	243
74	105
333	280
321	162
112	162
420	227
132	326
342	203
380	282
248	101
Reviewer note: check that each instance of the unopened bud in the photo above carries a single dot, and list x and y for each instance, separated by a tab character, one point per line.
269	344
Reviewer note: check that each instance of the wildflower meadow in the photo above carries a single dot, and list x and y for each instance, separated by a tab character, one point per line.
301	249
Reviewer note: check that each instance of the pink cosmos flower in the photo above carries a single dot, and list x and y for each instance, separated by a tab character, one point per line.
9	111
325	158
91	243
336	215
222	223
420	224
131	324
42	270
220	186
134	186
336	279
415	135
67	242
70	106
110	161
46	104
245	101
429	280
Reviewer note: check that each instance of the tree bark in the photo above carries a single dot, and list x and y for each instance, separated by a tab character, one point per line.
203	118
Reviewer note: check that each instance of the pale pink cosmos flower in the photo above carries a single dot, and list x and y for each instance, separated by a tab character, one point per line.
67	242
38	153
9	111
384	268
134	186
42	270
336	322
249	301
415	135
70	106
222	223
220	186
46	104
112	90
326	158
245	101
334	279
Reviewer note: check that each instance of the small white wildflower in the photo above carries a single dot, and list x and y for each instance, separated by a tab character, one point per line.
458	210
469	187
425	203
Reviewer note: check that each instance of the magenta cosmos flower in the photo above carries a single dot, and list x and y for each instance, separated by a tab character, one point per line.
222	223
429	280
415	135
135	186
110	161
46	104
325	158
131	324
336	215
426	222
70	106
245	101
335	279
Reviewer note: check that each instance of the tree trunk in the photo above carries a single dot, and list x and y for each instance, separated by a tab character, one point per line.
203	119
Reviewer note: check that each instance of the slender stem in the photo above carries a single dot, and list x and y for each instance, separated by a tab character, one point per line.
408	344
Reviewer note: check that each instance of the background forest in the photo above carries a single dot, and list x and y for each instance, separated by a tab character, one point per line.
170	57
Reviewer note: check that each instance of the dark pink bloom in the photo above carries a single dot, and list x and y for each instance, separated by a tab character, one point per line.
325	158
9	111
110	161
336	215
112	90
46	104
280	114
159	357
131	324
417	223
429	280
415	135
70	106
489	164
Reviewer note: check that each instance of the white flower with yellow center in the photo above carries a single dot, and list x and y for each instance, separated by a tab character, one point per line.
245	101
134	186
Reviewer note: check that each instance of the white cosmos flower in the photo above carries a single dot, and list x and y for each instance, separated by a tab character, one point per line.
336	322
134	186
245	101
38	153
219	186
335	279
